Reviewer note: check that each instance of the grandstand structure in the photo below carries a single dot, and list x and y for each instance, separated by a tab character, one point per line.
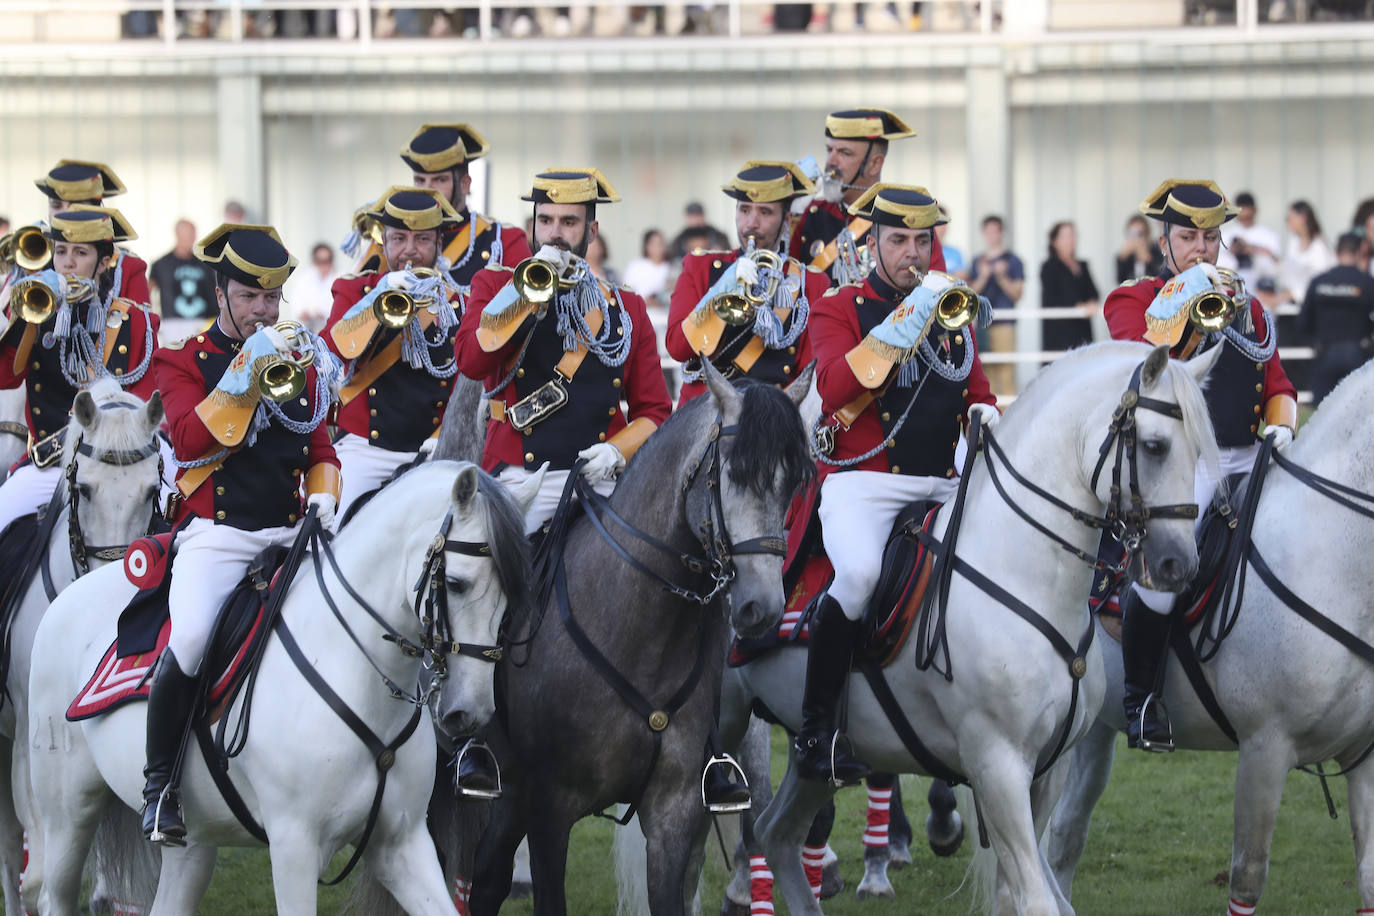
1039	110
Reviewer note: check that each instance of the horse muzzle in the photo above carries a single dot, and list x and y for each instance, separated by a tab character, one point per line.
1166	566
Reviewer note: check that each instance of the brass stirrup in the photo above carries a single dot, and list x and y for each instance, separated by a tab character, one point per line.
729	807
473	745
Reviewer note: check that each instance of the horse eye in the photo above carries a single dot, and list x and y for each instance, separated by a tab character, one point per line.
84	490
151	494
1156	447
458	586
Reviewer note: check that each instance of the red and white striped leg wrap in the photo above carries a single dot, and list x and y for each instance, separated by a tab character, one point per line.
812	859
462	889
760	887
1367	911
125	909
25	867
879	813
1240	909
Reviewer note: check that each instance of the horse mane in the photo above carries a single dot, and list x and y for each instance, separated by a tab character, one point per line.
119	430
770	437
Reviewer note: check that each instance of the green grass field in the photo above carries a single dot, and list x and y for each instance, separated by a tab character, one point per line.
1160	844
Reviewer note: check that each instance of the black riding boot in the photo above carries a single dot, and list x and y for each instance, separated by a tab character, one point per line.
479	776
1144	648
721	791
822	754
170	700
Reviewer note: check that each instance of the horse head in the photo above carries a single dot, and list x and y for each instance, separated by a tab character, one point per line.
486	572
763	464
1169	443
112	464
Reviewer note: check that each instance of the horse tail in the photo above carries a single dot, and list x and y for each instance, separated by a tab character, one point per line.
631	869
124	869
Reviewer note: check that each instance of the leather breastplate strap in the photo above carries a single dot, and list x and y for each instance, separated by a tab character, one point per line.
857	229
383	361
567	366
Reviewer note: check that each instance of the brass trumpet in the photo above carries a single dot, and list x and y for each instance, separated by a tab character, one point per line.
956	307
737	306
1213	310
536	281
283	378
33	300
395	307
26	247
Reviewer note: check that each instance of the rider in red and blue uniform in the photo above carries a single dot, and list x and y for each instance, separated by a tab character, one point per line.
1246	385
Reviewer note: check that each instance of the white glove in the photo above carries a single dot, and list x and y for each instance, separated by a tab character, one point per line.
400	280
939	282
747	271
555	256
1281	436
987	414
277	338
325	505
604	461
427	447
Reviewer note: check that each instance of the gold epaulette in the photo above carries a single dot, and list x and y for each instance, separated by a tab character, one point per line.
499	266
361	273
705	251
177	344
1134	281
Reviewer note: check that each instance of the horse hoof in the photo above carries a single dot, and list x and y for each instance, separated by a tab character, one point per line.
948	844
100	906
832	882
519	890
898	855
874	890
729	907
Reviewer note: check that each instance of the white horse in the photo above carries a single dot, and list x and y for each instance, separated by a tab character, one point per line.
1292	693
1010	700
305	776
14	432
112	466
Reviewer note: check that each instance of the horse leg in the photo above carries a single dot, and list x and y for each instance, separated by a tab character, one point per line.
1044	792
183	879
899	830
409	868
672	819
821	863
68	796
11	831
549	860
493	864
1260	774
1001	781
751	888
1359	784
944	824
783	828
875	882
1090	766
297	862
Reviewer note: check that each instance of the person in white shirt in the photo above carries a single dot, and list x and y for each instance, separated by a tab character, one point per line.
308	295
1308	253
648	273
1250	249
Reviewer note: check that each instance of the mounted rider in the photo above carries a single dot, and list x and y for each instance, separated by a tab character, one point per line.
895	389
1247	383
715	311
438	157
245	445
68	329
74	181
395	331
557	371
822	233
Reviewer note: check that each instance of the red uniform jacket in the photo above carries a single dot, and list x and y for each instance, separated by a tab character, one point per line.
1237	388
50	395
257	486
593	411
822	221
925	444
775	367
133	283
404	406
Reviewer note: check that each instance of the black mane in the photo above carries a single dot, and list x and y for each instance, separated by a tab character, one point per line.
509	547
770	436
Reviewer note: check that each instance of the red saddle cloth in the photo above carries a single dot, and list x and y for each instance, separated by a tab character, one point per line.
890	615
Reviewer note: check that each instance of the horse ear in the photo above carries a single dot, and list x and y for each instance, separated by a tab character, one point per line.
1154	367
153	412
801	385
525	491
87	414
1201	366
465	488
727	397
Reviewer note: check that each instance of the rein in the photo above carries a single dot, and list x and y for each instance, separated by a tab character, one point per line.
435	645
14	428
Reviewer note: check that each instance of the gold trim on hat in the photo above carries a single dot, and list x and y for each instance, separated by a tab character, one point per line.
267	277
92	188
588	186
111	227
434	217
1202	217
773	190
868	127
454	155
924	216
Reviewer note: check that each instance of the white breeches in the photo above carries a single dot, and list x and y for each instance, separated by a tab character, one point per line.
1230	461
858	509
364	467
26	490
550	491
210	560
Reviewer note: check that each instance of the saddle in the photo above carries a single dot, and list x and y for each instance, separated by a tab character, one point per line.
145	625
1214	537
891	612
